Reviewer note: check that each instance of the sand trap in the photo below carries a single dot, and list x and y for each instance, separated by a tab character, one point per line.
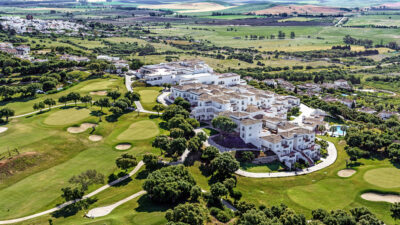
346	173
82	128
3	129
123	146
100	93
376	197
95	138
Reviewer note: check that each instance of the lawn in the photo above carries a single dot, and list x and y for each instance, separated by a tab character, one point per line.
384	177
68	116
262	168
376	20
148	96
139	131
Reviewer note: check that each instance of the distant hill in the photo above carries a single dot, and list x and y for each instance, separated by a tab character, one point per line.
249	7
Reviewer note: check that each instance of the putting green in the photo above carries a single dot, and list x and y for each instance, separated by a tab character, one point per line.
99	85
326	194
148	96
383	177
140	130
67	116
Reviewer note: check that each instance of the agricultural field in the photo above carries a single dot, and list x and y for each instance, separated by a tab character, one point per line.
374	20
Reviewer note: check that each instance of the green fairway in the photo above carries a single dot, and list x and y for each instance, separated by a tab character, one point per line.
148	96
320	194
384	177
139	131
262	168
67	116
101	85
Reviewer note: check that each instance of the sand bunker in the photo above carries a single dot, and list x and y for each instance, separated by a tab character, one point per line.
82	128
95	138
346	173
3	129
123	146
100	93
376	197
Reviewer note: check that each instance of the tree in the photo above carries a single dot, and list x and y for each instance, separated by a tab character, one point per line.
114	95
218	190
395	210
174	110
177	146
70	194
126	161
169	184
132	96
50	102
292	35
102	102
176	133
254	217
158	108
333	129
162	142
247	156
195	144
195	193
210	153
7	112
86	99
224	124
63	99
188	213
87	178
394	152
355	153
224	164
73	96
151	161
182	102
39	106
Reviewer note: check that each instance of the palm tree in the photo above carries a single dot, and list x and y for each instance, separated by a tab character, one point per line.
321	129
343	129
333	129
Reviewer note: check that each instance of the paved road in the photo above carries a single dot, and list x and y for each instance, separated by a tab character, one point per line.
105	210
161	98
128	82
332	156
141	109
135	170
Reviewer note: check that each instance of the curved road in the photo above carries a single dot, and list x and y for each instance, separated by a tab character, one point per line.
332	156
135	170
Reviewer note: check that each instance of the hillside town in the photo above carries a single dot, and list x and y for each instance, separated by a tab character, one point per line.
29	25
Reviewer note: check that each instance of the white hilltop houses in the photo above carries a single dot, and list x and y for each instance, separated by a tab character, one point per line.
261	115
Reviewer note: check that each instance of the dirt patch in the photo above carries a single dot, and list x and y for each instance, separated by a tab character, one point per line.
377	197
123	147
95	138
82	128
100	93
14	164
300	9
3	129
346	173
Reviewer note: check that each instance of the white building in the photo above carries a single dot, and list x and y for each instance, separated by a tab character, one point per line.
260	116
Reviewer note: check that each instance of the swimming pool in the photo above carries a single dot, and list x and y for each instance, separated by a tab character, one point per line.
339	131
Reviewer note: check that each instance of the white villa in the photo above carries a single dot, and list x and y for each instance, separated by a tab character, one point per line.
260	116
185	72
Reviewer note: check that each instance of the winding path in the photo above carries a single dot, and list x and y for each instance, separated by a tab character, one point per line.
135	170
332	156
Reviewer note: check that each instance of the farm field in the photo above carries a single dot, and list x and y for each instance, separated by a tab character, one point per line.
374	20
